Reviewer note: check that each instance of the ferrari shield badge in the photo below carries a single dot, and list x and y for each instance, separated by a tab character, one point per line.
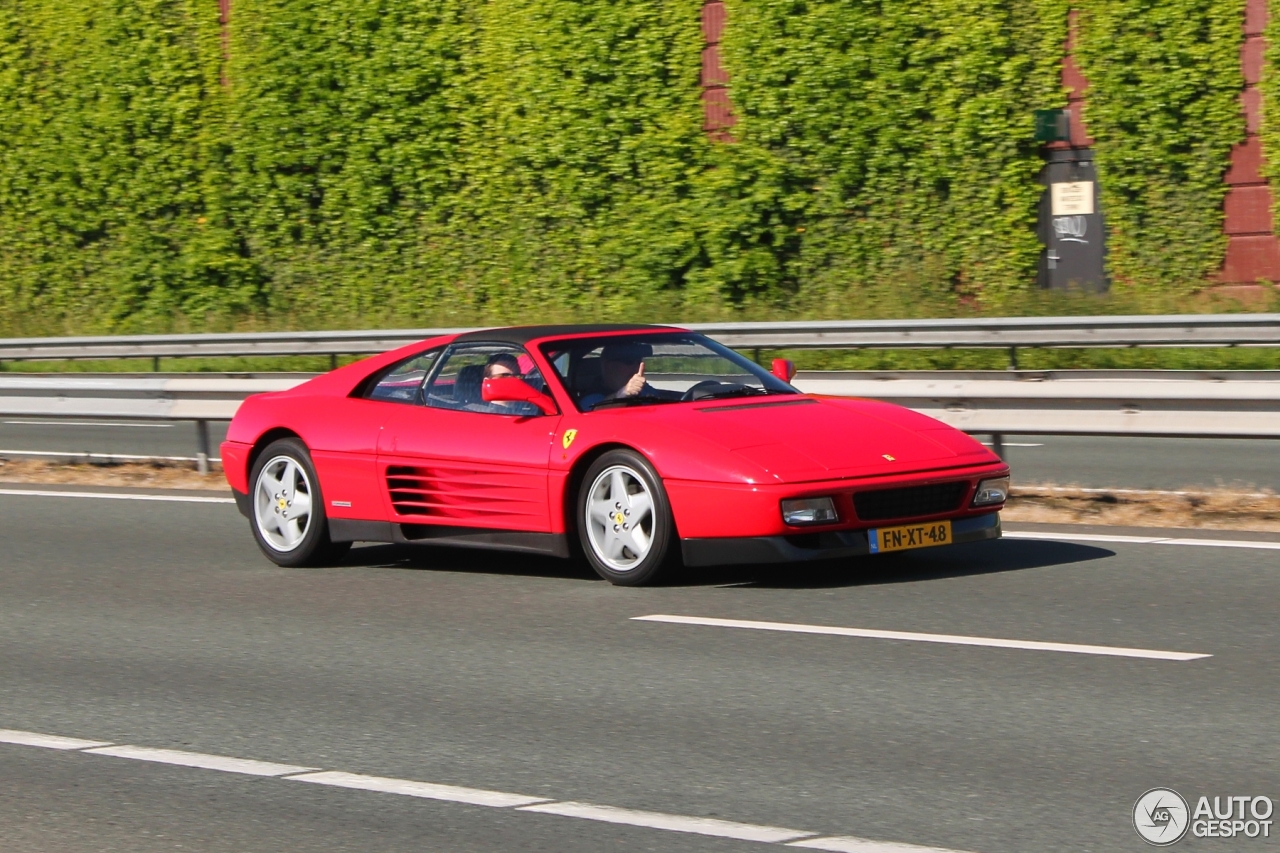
887	456
569	436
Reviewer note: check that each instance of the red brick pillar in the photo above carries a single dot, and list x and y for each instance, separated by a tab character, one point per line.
717	112
1076	85
224	24
1253	252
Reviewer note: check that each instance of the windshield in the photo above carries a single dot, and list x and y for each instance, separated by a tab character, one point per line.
644	370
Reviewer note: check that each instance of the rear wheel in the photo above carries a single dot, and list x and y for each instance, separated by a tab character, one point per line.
288	521
624	519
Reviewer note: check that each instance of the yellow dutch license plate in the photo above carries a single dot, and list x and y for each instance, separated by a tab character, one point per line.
906	536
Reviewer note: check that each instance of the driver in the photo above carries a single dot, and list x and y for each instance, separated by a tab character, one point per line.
621	373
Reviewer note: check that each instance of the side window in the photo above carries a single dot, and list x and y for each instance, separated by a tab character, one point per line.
456	385
403	383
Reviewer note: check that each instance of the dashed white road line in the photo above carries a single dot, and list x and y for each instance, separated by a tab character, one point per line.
425	790
116	496
47	741
844	844
1144	540
199	759
472	796
670	822
951	639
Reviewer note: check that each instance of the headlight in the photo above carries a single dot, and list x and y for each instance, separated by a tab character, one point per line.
992	492
809	511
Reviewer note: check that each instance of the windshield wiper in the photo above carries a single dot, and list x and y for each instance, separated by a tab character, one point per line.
744	391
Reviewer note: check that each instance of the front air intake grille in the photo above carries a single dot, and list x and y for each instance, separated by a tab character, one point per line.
909	502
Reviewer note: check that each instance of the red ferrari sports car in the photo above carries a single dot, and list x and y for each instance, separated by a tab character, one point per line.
635	447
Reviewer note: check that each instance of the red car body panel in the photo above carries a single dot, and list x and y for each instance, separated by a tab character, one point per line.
725	464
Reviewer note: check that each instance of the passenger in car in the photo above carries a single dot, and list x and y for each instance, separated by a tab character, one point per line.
501	365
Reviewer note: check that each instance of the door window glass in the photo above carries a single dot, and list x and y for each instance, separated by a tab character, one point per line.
403	383
457	384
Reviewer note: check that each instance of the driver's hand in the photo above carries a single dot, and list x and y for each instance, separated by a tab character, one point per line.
634	385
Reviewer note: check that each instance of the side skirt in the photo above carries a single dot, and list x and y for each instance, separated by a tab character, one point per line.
350	530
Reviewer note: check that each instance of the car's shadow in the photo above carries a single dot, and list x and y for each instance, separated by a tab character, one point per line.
979	558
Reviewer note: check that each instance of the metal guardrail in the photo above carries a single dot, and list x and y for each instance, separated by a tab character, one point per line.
1191	404
128	398
1011	333
1160	404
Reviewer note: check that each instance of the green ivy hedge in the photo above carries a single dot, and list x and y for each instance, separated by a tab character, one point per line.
428	160
1270	127
105	130
1164	108
895	139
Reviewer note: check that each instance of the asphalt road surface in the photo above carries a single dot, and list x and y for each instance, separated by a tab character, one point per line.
531	686
1135	463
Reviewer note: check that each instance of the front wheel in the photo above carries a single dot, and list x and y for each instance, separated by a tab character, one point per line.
624	519
288	521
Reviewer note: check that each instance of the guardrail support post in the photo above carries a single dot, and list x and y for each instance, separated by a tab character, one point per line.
997	444
333	361
202	447
1013	358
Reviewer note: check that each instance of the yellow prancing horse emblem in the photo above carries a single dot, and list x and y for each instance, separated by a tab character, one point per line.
569	436
887	456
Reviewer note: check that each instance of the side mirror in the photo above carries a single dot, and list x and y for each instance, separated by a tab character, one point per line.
784	369
513	389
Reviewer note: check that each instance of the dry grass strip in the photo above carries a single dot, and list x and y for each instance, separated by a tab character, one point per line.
1210	509
142	475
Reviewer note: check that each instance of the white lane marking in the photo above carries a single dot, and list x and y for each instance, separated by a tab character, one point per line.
1012	444
47	741
89	423
1037	491
184	499
848	844
1223	543
473	796
103	457
1084	537
952	639
199	759
425	790
674	823
1146	540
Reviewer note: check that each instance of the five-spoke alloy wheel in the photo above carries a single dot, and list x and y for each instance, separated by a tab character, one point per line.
288	510
624	520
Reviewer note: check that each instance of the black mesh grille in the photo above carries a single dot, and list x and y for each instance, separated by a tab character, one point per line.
909	502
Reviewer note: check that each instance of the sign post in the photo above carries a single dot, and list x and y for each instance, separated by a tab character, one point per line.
1071	224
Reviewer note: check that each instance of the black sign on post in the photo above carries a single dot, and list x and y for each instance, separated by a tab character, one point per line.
1071	226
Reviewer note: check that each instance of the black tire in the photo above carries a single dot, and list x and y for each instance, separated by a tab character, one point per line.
626	568
270	512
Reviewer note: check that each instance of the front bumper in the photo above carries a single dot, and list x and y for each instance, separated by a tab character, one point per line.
815	546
